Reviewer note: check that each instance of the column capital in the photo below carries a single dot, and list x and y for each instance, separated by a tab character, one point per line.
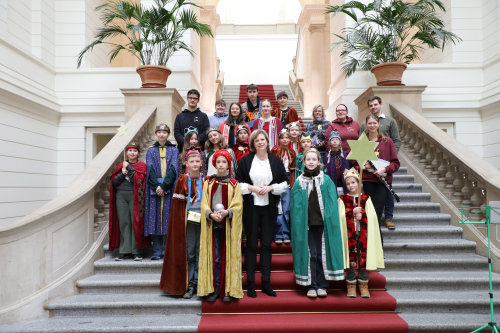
208	15
312	15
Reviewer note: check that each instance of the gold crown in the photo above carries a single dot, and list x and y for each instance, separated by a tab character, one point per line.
305	136
351	173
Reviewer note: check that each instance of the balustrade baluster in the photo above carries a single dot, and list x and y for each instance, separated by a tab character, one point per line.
476	200
458	184
411	144
429	157
438	158
418	146
450	177
442	170
407	137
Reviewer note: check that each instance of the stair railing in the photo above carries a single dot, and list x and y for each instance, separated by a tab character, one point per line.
45	252
454	174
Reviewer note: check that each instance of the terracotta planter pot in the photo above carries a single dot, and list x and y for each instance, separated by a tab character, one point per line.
153	76
389	73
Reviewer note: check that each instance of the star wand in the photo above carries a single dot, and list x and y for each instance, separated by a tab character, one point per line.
362	151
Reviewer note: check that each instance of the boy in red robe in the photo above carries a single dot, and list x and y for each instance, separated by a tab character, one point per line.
179	274
283	112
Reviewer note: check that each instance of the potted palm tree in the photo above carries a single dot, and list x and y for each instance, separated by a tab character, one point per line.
388	35
152	35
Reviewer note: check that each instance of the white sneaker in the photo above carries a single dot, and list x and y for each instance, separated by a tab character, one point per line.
278	241
287	241
322	292
312	294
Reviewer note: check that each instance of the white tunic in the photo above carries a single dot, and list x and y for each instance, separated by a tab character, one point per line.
261	175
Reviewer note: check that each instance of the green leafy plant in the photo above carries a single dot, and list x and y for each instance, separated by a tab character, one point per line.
389	31
153	35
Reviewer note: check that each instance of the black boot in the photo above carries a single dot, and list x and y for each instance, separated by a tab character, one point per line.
251	289
227	299
213	296
266	288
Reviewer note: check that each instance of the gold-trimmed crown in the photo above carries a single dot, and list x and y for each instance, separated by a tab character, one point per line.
351	173
305	136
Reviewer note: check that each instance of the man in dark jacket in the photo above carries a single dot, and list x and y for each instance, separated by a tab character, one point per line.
192	116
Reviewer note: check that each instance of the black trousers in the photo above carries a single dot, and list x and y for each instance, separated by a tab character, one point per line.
261	220
315	239
378	193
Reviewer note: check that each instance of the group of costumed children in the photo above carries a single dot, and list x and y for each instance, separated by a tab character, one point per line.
195	219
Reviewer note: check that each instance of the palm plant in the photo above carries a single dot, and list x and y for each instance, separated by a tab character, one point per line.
152	35
389	31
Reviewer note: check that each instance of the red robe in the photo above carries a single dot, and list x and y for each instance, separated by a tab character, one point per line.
280	152
174	273
290	145
291	117
240	149
350	203
139	194
224	129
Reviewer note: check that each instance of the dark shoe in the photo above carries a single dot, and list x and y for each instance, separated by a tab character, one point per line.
138	257
213	296
251	289
227	299
161	257
155	257
266	288
121	257
189	293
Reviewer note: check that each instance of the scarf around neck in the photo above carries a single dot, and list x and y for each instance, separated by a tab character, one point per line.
250	106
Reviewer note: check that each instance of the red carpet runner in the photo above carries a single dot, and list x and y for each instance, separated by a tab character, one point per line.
265	91
280	314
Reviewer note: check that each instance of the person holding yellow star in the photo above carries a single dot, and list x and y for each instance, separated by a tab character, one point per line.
387	155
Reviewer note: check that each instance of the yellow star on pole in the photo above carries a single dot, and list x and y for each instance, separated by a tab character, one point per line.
362	150
122	130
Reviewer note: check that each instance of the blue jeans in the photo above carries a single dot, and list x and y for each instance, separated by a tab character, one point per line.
159	244
315	240
217	236
282	230
389	205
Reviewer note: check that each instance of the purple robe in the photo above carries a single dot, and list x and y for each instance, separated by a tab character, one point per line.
331	169
152	206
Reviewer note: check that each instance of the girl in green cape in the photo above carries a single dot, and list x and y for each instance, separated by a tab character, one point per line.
316	233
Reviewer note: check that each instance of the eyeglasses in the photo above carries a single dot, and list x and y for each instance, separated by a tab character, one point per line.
193	98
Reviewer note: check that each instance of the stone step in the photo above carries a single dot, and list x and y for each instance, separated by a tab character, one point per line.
421	232
445	322
456	301
420	219
428	246
424	281
450	262
414	197
417	207
104	305
401	178
401	171
406	187
115	324
108	265
120	284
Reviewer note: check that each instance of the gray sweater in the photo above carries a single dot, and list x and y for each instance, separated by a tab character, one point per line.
389	127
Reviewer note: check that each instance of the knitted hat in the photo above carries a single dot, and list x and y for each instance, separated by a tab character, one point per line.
351	173
335	134
305	136
162	127
225	153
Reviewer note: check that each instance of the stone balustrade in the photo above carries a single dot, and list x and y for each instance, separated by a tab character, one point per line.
455	175
57	244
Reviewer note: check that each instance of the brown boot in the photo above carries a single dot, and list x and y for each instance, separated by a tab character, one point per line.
351	289
389	223
363	289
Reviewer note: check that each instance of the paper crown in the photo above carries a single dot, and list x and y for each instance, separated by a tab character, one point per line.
190	129
351	173
242	128
213	128
192	150
282	132
294	124
305	136
162	127
334	134
133	145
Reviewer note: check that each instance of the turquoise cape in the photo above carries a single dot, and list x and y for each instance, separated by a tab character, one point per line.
332	254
